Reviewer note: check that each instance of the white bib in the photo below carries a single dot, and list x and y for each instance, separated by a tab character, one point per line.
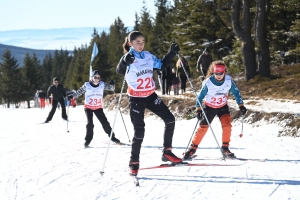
140	77
217	96
93	96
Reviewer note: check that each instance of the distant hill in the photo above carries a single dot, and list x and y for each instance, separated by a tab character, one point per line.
20	52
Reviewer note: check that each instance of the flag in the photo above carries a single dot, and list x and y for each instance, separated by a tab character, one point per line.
94	53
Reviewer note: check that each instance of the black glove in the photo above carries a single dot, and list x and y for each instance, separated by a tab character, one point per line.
70	97
111	82
243	110
129	58
199	113
174	48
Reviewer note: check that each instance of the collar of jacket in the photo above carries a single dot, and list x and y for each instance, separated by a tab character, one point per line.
140	55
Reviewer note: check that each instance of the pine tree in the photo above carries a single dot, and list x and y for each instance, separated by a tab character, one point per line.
146	26
160	36
118	32
243	32
9	74
29	79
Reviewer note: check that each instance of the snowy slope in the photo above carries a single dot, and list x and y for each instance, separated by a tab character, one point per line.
44	161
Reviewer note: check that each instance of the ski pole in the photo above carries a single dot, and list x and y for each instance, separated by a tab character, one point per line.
200	105
191	136
125	126
241	135
112	130
68	117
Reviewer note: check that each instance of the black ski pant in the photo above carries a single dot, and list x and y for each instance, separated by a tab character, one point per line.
54	106
166	85
183	83
137	111
90	125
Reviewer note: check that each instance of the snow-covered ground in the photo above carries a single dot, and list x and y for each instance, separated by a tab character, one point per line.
44	161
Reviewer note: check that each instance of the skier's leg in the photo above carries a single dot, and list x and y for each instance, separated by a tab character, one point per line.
52	111
157	106
105	124
89	127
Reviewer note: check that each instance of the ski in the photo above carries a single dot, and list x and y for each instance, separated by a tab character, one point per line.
135	180
237	158
119	144
183	164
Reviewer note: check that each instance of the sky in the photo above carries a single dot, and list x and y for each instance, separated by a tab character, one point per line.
44	14
44	161
56	24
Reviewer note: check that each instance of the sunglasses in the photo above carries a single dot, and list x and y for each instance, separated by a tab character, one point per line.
96	77
219	73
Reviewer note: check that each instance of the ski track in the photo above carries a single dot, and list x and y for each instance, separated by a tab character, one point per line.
46	162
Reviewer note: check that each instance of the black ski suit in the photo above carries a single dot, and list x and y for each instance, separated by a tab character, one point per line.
58	92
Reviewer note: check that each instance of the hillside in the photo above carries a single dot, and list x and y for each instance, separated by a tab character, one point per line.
20	52
271	94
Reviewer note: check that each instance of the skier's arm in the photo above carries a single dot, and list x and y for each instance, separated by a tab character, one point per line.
121	67
201	95
79	92
236	93
199	61
48	92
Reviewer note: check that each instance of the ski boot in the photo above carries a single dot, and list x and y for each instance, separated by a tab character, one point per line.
134	168
169	156
226	152
192	150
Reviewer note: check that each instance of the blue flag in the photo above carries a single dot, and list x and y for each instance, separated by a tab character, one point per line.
94	53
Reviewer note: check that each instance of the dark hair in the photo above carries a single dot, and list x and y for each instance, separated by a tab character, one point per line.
55	79
132	36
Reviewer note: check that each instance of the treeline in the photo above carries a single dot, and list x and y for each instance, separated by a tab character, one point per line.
250	36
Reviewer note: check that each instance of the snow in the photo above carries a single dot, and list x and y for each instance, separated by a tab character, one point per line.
44	161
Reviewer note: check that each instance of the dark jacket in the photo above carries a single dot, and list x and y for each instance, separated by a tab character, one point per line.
42	94
181	73
204	61
57	92
174	78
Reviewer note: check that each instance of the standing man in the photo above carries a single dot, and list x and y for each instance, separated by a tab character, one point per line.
204	62
58	93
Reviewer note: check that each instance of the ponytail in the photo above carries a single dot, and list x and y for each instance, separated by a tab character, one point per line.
132	36
126	46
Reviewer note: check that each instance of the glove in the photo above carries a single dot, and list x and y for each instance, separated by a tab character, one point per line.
199	113
129	58
174	48
243	110
70	97
111	82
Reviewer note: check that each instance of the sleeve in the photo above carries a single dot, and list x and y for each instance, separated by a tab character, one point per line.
199	61
236	93
167	60
121	67
63	91
79	92
202	94
157	63
109	87
48	92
